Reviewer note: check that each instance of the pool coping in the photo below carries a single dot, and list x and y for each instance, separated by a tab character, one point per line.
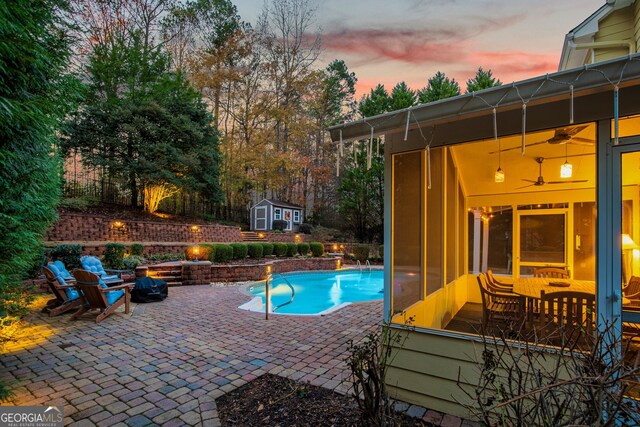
256	301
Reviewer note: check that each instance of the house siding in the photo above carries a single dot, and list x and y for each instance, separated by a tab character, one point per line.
618	26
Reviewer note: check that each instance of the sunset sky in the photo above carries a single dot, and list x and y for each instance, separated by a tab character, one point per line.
388	41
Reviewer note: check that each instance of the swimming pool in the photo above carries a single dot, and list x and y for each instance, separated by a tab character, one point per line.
318	292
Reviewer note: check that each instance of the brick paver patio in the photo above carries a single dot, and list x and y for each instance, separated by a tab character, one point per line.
166	362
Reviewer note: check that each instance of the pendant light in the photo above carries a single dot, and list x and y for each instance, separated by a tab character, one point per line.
499	175
566	170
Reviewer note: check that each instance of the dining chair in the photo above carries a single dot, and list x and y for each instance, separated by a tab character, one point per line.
632	291
551	273
496	285
567	314
500	306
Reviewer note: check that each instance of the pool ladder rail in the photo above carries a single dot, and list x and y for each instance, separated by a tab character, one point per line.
268	299
367	265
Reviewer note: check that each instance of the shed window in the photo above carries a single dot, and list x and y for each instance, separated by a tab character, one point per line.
277	213
296	216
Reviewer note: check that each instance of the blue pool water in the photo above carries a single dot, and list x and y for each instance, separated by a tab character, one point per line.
317	292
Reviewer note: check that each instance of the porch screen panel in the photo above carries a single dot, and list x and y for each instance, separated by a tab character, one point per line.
450	231
407	229
435	215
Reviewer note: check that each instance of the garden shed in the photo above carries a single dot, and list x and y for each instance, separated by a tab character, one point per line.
265	212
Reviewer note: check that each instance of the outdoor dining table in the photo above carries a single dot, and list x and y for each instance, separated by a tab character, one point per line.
532	287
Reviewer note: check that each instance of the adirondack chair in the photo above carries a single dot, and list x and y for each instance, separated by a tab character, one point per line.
93	265
67	297
98	296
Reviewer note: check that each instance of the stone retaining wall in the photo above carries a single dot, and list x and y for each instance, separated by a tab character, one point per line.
78	227
259	271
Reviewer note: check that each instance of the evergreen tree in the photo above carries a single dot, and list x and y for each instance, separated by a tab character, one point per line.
482	80
377	102
402	97
34	96
438	87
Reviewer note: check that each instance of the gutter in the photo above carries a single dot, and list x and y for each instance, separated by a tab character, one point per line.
630	45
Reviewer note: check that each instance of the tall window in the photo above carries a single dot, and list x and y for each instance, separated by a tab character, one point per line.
277	214
407	229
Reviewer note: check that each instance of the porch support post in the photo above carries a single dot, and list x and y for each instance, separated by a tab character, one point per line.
485	245
477	224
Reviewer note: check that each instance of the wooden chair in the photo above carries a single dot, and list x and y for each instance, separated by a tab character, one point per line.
497	286
567	314
98	296
551	273
67	297
632	291
501	306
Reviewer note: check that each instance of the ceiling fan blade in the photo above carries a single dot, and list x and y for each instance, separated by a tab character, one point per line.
528	180
526	186
570	155
518	147
571	130
580	139
571	181
574	142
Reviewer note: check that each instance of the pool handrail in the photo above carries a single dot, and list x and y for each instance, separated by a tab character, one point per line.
267	300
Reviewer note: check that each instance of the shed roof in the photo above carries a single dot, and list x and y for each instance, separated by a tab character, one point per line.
279	203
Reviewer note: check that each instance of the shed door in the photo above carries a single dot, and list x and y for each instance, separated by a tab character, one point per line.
260	219
289	218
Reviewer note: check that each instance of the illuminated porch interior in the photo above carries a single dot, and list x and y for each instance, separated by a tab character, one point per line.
469	223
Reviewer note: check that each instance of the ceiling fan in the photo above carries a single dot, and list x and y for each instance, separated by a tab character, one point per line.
566	135
540	181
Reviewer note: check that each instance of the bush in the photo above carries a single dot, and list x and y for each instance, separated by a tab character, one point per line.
132	261
222	253
39	261
317	248
361	252
381	251
279	224
68	254
324	234
81	203
255	250
113	255
306	228
303	249
280	249
292	249
240	250
137	249
267	249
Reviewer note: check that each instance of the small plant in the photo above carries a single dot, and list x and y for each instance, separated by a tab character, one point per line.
279	224
280	249
255	250
303	249
132	262
113	255
306	228
222	252
267	249
368	362
317	249
68	254
137	249
361	252
240	250
292	249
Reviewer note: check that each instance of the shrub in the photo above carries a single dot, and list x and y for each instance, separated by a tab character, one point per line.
113	255
132	261
292	249
279	224
306	228
303	248
81	203
255	250
317	248
137	249
267	249
280	249
68	254
361	252
222	252
381	251
240	250
324	234
38	262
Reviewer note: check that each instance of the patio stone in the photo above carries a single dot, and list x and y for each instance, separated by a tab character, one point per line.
165	365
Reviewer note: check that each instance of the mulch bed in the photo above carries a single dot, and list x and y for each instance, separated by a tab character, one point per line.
271	400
